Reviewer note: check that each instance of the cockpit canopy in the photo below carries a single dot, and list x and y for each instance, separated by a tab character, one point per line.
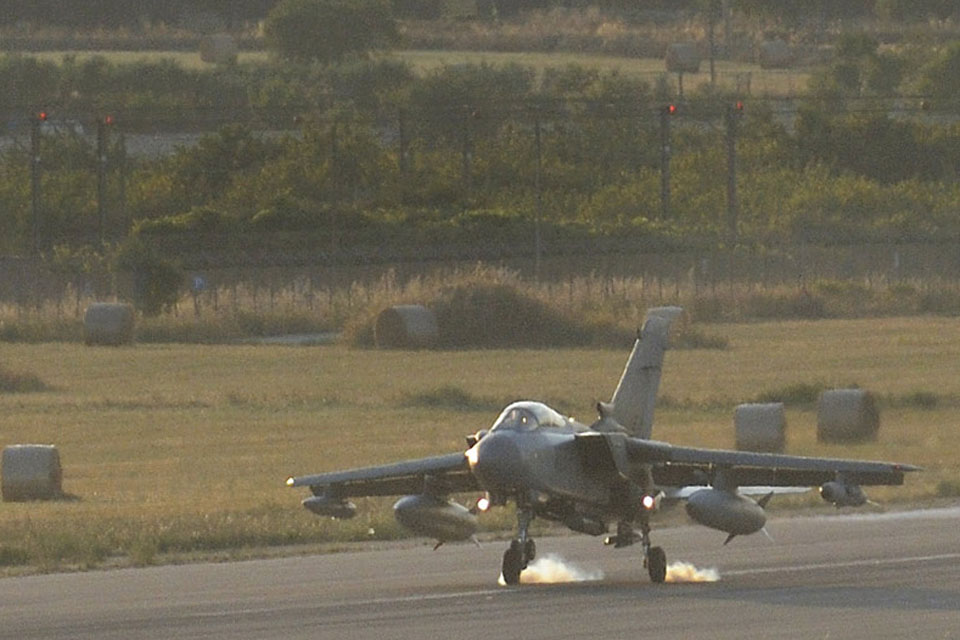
526	416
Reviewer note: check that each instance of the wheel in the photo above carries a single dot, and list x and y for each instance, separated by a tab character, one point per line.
512	565
529	552
657	564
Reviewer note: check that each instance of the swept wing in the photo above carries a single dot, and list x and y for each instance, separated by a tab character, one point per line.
450	473
687	466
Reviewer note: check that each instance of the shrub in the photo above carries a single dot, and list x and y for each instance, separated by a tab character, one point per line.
498	315
157	281
20	382
800	393
328	30
948	488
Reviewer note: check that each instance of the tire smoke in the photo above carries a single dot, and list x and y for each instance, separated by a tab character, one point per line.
686	572
552	569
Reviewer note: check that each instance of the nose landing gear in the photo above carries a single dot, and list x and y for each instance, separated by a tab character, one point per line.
522	550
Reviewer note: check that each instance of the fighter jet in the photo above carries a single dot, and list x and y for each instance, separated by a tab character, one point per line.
593	477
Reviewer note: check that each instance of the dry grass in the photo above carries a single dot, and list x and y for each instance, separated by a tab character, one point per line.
179	448
746	77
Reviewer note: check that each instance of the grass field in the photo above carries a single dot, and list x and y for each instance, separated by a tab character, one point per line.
179	448
750	78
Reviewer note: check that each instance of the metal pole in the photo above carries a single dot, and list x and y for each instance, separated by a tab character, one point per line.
733	116
123	179
712	23
101	179
665	163
467	153
403	142
536	225
35	181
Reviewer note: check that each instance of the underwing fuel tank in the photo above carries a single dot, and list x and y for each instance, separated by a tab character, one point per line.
726	511
843	495
330	507
433	517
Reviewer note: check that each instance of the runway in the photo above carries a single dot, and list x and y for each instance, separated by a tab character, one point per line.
866	576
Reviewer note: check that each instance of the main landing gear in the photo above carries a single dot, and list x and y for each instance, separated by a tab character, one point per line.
522	550
654	558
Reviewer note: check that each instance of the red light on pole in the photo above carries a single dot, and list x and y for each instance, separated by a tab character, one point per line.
672	109
42	116
108	120
738	106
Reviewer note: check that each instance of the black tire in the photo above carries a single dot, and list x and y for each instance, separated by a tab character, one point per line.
512	565
657	564
529	552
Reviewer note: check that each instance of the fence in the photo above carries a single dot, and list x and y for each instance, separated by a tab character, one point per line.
29	283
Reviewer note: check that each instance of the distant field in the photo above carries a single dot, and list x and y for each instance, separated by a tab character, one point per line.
180	448
750	78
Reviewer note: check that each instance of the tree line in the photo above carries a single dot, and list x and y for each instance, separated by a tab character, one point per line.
137	14
385	158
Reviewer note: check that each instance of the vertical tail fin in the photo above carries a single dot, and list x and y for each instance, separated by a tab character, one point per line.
636	393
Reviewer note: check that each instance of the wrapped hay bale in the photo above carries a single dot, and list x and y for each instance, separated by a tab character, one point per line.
847	415
683	57
108	323
761	427
407	326
219	48
775	54
31	472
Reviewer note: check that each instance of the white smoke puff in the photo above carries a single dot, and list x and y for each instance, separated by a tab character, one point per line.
686	572
552	569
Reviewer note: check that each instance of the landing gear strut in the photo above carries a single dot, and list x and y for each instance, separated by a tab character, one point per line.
654	558
522	550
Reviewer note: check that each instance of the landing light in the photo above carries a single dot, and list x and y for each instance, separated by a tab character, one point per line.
648	502
290	481
483	504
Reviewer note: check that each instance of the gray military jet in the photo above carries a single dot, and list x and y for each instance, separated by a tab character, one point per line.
589	477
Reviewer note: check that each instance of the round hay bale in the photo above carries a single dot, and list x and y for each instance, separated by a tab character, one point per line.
761	427
108	323
219	48
847	415
31	472
775	54
407	326
683	57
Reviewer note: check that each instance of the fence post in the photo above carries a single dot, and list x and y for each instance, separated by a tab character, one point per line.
35	199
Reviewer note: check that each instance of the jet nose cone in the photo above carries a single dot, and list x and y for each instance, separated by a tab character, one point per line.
496	462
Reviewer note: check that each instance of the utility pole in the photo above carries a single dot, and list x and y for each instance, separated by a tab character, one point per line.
733	114
665	114
35	199
467	153
539	213
102	144
402	133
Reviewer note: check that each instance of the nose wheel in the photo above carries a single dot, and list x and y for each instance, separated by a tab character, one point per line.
522	551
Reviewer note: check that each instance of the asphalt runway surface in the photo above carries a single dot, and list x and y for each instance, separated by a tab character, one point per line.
892	575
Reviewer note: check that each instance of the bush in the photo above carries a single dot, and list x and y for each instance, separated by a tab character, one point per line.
20	382
328	30
497	316
800	393
157	281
